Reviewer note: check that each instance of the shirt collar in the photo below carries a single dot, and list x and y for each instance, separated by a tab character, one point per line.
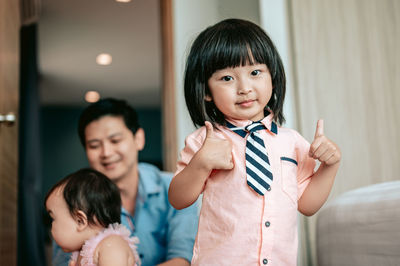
125	212
149	185
267	121
149	180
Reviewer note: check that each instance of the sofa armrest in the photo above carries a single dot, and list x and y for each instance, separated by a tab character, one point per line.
361	227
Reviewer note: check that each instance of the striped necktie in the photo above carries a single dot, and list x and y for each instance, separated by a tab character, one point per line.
258	169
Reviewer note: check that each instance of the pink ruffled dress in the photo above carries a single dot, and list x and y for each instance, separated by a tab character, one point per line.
90	245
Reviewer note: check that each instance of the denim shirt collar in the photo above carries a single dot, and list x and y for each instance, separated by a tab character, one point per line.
149	181
149	185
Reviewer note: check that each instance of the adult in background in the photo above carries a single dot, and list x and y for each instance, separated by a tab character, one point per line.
110	133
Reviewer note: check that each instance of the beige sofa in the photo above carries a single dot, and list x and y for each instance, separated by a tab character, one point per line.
361	227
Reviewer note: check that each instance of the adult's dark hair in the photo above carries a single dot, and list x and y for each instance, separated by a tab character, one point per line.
230	43
105	107
93	193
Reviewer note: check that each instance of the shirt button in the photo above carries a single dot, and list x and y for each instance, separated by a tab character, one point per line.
267	224
265	261
269	188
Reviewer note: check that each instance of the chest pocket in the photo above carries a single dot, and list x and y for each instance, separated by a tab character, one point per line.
289	178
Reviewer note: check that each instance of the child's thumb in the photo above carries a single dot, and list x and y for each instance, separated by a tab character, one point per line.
209	128
319	131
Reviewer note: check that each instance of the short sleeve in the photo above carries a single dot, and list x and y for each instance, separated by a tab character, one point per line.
306	164
193	143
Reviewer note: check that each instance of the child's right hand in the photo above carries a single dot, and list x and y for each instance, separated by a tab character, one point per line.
216	153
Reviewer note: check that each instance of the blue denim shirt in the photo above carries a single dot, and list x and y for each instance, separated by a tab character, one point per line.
164	232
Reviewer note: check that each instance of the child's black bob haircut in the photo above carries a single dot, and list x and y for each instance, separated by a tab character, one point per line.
230	43
93	193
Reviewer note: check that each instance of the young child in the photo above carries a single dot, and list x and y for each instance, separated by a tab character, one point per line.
253	174
85	208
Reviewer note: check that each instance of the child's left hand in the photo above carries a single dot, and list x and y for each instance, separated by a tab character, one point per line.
322	148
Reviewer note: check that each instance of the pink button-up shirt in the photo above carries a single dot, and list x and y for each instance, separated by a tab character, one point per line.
237	226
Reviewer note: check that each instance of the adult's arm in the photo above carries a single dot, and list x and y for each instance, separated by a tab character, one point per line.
181	234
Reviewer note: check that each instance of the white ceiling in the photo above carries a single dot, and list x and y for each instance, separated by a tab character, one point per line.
73	32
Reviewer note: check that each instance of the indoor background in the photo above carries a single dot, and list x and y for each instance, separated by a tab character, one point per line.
341	58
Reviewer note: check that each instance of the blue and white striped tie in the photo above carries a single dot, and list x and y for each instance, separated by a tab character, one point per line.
258	168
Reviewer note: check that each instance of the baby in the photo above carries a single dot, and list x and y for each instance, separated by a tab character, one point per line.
85	208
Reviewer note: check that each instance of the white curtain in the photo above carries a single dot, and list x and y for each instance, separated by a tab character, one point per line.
346	70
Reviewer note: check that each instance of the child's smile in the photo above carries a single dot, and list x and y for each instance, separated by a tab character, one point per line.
246	103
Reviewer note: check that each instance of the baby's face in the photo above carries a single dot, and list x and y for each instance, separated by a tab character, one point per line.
63	226
241	92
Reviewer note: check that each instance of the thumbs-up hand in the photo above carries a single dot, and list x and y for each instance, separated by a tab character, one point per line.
322	148
216	153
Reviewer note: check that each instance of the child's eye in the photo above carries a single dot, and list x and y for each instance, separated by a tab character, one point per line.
226	78
255	72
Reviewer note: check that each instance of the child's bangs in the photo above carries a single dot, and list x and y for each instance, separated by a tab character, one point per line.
236	50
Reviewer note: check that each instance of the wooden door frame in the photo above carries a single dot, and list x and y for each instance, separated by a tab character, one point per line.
169	136
9	101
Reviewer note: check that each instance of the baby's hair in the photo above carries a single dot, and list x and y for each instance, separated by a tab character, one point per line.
93	193
230	43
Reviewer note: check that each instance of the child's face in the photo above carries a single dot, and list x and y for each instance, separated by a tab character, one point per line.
241	92
64	228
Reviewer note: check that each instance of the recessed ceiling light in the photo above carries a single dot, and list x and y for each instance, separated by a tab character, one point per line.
92	96
123	1
104	59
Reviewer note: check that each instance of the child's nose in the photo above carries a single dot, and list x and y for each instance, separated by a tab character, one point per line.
244	87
